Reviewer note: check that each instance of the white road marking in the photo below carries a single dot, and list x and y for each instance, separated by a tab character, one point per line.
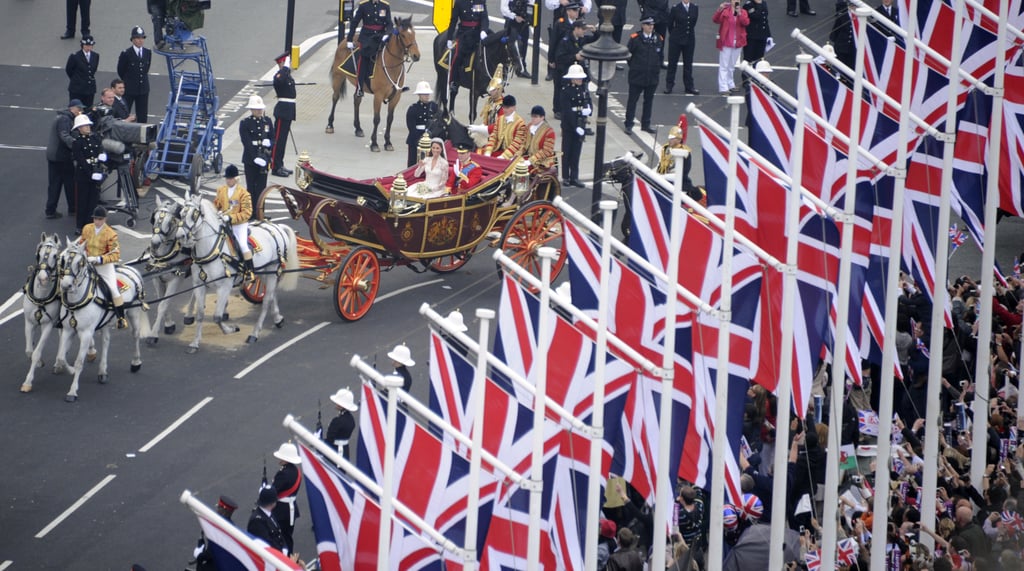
22	147
11	316
407	288
125	230
95	489
15	298
5	564
267	357
181	420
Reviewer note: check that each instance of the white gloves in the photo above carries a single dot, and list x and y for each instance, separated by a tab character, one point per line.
527	163
260	161
450	44
769	44
350	45
479	129
94	260
587	111
483	35
580	131
97	176
266	143
225	218
102	157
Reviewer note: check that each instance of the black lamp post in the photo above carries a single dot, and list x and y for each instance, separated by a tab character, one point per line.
604	53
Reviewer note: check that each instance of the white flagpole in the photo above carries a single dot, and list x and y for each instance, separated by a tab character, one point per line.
840	350
597	420
982	378
391	384
940	296
666	478
879	530
480	384
238	535
719	445
540	365
784	391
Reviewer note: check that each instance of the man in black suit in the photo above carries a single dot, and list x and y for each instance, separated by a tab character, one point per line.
72	7
682	21
888	10
81	71
119	109
133	67
262	525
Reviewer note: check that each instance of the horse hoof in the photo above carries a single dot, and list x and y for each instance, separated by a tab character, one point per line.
191	350
152	341
39	365
389	147
234	329
90	356
135	368
26	388
279	324
359	132
103	379
225	316
190	320
169	329
251	339
329	130
375	148
70	398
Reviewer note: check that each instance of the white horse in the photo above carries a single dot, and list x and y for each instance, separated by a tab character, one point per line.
172	262
274	250
90	310
41	304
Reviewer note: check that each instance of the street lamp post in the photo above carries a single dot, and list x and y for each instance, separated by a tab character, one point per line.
605	52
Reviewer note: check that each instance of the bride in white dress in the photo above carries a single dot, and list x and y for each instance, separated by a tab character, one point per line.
434	170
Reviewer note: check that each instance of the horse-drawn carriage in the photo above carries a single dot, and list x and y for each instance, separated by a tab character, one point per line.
359	228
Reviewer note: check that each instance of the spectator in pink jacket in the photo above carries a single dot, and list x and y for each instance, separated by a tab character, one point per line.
732	36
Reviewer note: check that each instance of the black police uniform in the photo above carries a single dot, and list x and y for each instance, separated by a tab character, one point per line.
469	18
644	69
842	36
519	31
657	9
82	76
375	16
287	482
891	13
417	118
560	27
284	114
86	150
339	432
758	31
253	130
565	56
134	70
265	527
71	9
682	24
575	104
618	19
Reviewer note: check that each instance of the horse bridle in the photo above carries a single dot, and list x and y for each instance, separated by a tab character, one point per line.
405	58
167	236
191	214
45	251
76	278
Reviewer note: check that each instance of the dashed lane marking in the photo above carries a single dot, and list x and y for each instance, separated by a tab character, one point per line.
181	420
95	489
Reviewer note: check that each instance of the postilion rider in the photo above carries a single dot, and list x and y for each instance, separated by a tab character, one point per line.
234	205
104	251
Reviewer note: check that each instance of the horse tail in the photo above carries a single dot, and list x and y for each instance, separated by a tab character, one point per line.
290	279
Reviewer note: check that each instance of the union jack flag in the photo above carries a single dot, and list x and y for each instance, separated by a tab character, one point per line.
813	560
1012	522
957	237
918	340
846	551
1011	163
1016	267
231	554
970	176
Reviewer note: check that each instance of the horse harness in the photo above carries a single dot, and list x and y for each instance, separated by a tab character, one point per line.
217	250
405	60
90	293
50	296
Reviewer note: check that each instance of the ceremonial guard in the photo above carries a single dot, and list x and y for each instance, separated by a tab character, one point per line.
676	140
339	431
759	33
202	554
287	482
284	114
518	15
577	107
418	117
682	38
509	135
495	96
465	175
133	67
81	71
644	67
567	54
469	25
255	132
87	150
375	16
234	204
103	251
263	525
540	142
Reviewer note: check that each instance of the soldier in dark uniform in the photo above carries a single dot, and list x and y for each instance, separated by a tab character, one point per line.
400	356
375	16
576	108
133	67
262	525
255	132
567	55
340	430
657	9
644	68
418	117
202	554
758	31
284	114
71	9
842	35
81	71
682	24
805	8
517	27
469	25
287	482
89	158
560	29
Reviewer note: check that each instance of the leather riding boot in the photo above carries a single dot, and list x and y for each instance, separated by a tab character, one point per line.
247	268
119	312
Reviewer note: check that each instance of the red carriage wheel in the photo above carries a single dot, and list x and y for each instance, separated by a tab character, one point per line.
535	225
450	263
254	291
358	281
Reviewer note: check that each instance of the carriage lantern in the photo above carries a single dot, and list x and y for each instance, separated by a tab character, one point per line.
423	147
302	178
398	192
521	180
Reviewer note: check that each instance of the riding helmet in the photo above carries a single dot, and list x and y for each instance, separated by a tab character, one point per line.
99	212
231	171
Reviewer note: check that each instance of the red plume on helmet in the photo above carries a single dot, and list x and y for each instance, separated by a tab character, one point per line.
684	125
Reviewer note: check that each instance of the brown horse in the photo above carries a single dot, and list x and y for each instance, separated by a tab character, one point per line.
387	82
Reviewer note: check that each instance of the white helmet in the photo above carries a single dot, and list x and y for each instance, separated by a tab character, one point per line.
575	72
423	88
82	119
255	102
289	453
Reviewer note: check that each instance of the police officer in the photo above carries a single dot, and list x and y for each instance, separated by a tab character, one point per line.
469	25
842	35
561	28
375	16
133	68
263	525
255	132
567	55
71	9
284	113
89	158
682	34
517	15
576	107
417	117
81	71
287	482
340	430
758	31
658	10
644	68
561	24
